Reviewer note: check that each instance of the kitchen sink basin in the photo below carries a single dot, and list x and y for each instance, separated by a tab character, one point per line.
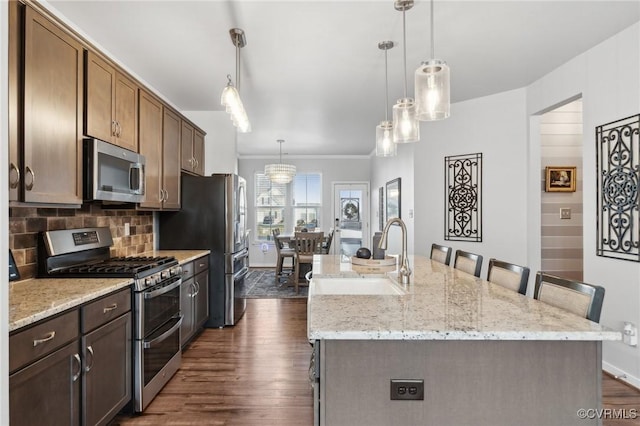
354	286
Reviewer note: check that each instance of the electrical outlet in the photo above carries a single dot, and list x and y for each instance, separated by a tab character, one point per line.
565	213
630	334
407	390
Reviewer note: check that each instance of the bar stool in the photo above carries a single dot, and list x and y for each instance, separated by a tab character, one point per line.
577	297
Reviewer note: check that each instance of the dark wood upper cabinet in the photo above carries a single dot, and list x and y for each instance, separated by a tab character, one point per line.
111	104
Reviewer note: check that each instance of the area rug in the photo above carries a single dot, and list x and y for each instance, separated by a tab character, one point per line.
260	283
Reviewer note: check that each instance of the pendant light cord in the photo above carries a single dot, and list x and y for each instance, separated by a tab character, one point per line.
237	43
404	48
433	43
386	87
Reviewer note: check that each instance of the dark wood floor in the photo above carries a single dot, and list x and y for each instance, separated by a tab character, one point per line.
256	373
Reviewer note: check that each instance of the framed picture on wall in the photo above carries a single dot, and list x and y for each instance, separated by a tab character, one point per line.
393	199
381	220
560	179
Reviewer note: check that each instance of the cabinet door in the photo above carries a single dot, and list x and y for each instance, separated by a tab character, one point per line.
151	148
52	113
99	103
46	392
201	301
171	159
107	370
16	52
186	308
198	152
186	143
126	113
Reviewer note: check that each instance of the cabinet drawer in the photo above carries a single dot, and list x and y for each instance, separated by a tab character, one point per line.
104	310
28	345
187	270
201	264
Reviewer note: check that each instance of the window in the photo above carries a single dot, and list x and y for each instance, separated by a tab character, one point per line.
271	202
307	199
276	206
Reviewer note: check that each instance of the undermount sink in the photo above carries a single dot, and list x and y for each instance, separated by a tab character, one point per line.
354	286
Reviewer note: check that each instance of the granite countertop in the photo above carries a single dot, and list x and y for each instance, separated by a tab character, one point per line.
35	299
441	303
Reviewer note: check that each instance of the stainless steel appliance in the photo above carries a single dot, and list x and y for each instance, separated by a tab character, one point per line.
112	173
156	299
213	217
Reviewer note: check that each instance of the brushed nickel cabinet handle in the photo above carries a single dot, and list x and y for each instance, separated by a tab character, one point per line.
29	186
110	308
119	129
88	367
77	375
50	335
13	184
166	195
113	127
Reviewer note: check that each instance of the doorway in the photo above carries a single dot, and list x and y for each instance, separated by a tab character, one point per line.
561	208
351	217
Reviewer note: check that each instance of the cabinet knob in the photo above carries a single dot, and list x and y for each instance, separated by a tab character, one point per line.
13	183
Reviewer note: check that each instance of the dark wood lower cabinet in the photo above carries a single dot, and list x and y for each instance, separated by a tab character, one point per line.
106	380
47	391
85	378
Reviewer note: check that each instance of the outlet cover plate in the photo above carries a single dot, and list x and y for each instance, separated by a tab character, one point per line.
565	213
407	389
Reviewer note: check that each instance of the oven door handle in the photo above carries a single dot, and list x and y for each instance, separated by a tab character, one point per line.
151	343
241	273
162	290
241	254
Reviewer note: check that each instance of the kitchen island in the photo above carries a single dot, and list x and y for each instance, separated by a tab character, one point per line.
484	355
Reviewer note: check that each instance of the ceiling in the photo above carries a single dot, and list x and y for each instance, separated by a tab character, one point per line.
312	73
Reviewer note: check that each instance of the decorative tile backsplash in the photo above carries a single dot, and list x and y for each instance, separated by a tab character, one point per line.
26	222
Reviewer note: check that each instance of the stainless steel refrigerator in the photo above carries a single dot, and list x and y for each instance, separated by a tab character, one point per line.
213	216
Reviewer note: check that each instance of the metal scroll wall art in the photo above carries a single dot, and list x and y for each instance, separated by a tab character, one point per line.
618	174
463	197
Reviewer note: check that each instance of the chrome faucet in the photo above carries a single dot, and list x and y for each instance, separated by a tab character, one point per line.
404	272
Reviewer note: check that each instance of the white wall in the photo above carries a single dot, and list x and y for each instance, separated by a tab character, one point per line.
495	126
333	169
4	216
384	169
220	143
608	77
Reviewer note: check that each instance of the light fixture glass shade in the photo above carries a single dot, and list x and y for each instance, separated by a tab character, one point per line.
432	90
384	140
406	127
230	99
280	173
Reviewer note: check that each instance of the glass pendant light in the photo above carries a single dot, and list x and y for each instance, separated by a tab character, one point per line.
230	97
406	127
280	172
384	131
432	86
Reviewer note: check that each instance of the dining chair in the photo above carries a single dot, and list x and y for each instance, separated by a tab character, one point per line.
283	252
577	297
305	244
326	243
468	262
508	275
440	253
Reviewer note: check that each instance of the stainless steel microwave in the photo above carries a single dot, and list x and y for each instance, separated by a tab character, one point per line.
112	173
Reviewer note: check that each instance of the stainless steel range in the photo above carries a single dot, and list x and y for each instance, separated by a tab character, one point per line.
156	299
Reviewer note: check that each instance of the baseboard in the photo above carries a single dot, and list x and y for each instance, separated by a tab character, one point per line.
621	375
